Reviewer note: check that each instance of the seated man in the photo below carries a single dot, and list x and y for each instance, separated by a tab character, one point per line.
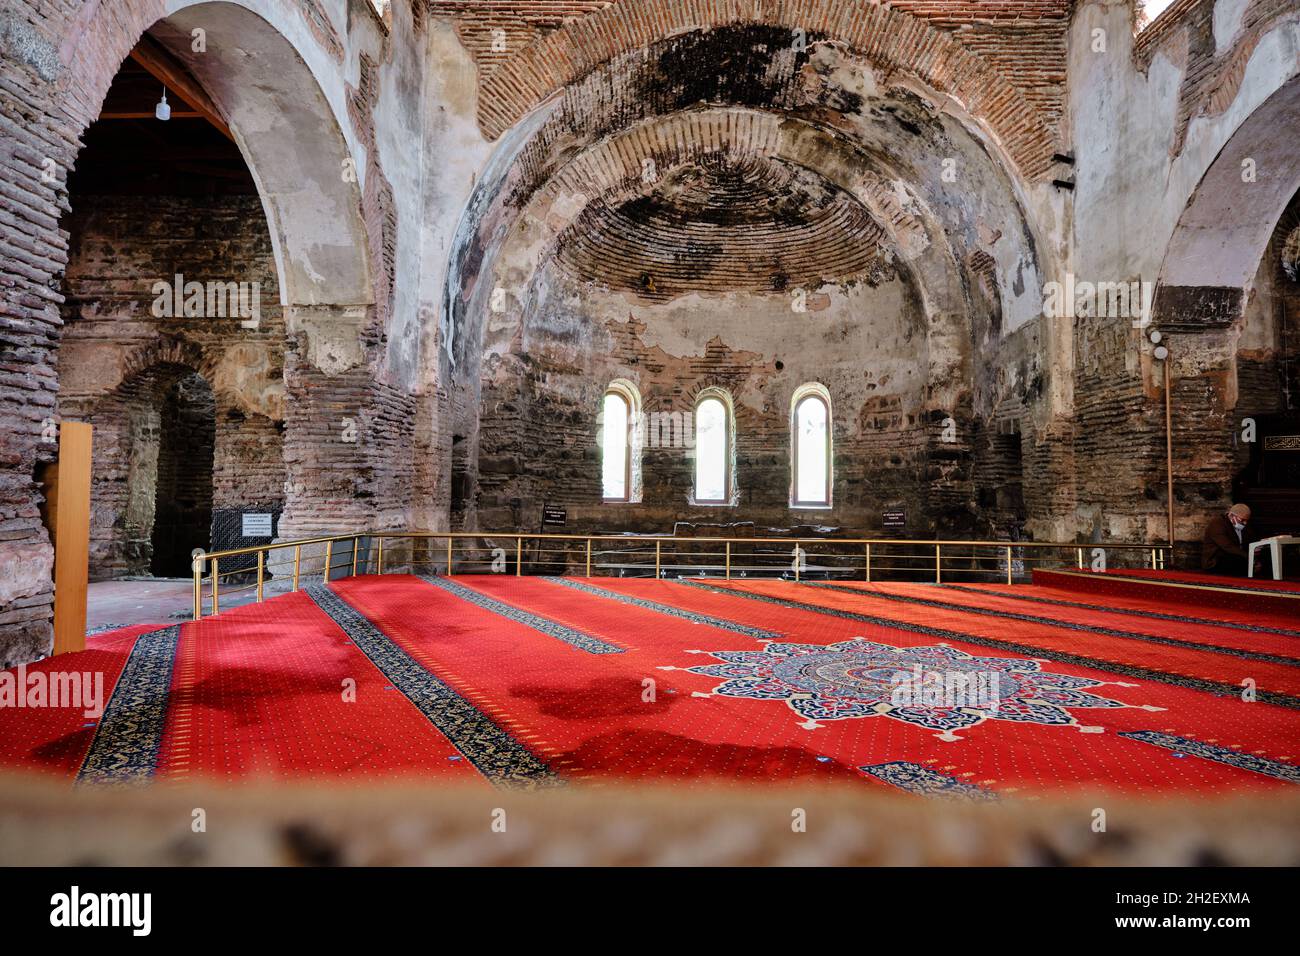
1223	546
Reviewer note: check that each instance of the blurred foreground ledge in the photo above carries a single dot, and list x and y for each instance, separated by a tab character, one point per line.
43	822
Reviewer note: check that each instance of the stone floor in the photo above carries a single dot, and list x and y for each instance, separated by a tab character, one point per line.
113	604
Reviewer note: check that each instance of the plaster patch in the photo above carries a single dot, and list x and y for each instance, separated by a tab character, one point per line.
1227	23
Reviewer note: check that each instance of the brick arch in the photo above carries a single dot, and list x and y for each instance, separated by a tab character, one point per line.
613	167
127	458
268	86
896	40
1225	228
166	352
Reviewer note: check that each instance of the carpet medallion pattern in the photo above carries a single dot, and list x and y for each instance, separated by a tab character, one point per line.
1217	687
862	678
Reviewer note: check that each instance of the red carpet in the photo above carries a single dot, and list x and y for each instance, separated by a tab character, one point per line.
55	739
1211	580
523	681
1139	608
259	692
1139	648
1225	594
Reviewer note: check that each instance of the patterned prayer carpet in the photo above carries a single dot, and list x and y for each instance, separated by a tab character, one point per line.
495	680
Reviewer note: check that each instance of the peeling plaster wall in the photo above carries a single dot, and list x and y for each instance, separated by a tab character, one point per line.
961	229
545	381
455	152
1188	88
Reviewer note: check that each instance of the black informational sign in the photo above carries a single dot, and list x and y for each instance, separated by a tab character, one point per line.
894	520
553	515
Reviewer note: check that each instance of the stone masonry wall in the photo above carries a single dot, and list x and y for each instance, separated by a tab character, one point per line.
32	131
538	439
115	349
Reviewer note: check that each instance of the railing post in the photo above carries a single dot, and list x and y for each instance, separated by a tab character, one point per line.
868	562
216	578
261	573
657	571
1078	558
449	540
728	560
519	556
588	557
329	556
356	544
379	561
798	559
196	566
938	564
297	564
1008	564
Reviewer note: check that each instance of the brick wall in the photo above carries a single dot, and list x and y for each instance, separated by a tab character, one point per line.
57	59
32	131
537	415
352	447
123	368
183	514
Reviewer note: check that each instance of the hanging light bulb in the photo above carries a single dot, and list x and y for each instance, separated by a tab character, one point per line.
162	110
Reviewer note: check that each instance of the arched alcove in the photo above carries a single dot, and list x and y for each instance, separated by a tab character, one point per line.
813	212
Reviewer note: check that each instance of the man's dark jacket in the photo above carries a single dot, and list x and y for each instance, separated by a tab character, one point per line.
1221	539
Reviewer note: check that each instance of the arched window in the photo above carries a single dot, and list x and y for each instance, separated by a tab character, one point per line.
619	443
712	450
810	428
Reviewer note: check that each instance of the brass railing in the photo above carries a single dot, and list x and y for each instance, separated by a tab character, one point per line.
286	566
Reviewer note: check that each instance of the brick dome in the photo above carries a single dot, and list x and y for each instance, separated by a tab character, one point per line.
725	224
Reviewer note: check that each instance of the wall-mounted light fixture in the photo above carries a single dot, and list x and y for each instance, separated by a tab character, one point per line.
1161	354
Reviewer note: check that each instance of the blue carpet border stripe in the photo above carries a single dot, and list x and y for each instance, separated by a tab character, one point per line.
923	781
1223	755
130	732
694	617
561	632
501	758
